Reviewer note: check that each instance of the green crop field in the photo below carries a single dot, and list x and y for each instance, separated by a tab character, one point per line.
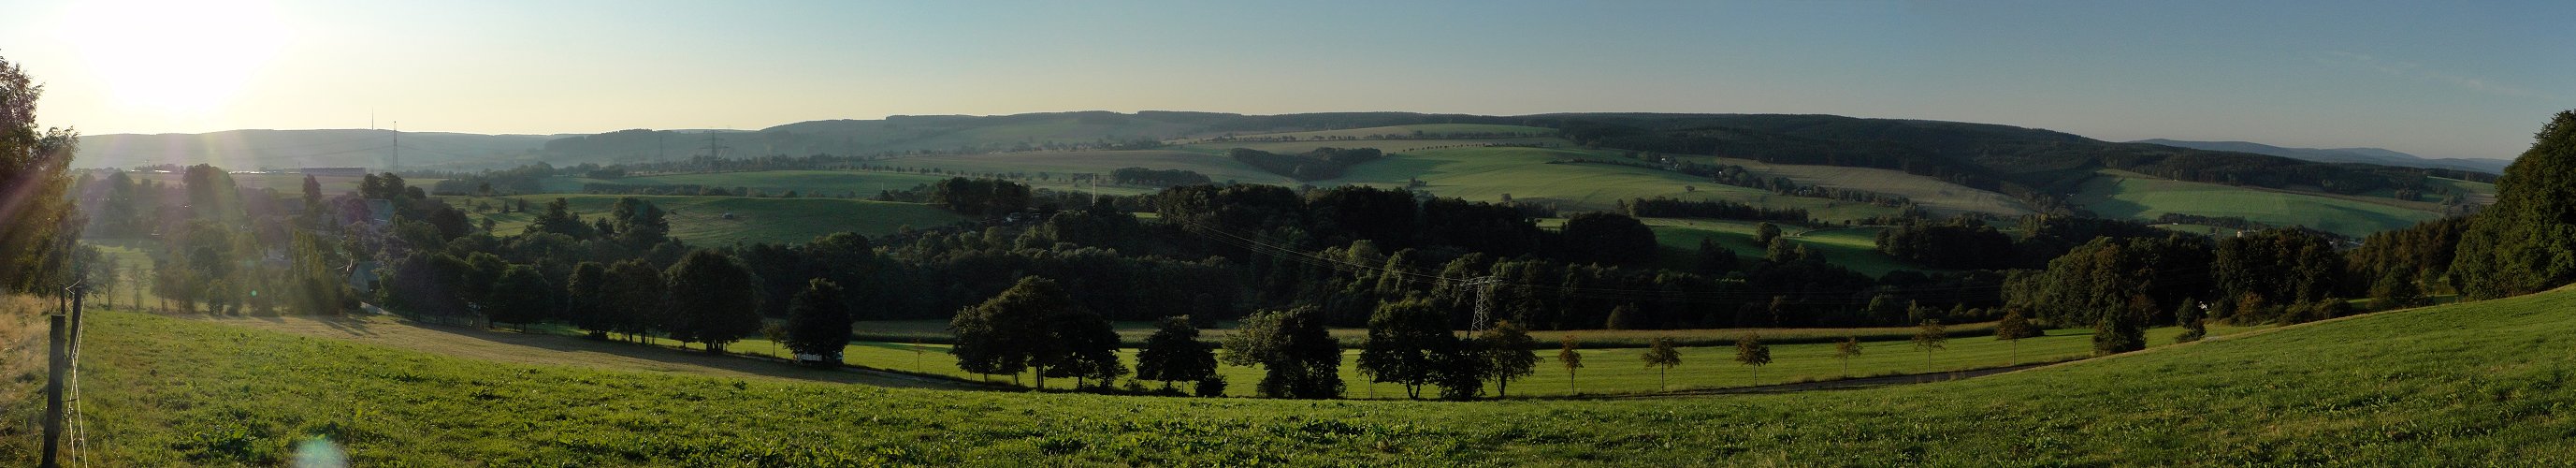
2124	195
1854	248
2479	384
700	219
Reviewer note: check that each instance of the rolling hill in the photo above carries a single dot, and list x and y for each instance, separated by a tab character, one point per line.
2343	155
289	149
2480	383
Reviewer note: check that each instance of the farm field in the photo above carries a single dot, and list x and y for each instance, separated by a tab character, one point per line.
2384	388
1424	129
1386	146
861	183
285	184
700	220
1547	175
1930	193
1059	163
2131	196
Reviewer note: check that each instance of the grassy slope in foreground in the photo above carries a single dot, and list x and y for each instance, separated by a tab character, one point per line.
2474	384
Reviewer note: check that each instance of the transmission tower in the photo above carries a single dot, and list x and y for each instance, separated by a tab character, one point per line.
715	146
1484	301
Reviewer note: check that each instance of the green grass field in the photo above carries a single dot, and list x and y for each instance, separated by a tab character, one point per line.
835	183
2474	384
2125	195
1059	163
1387	146
1930	193
1425	129
700	219
1544	175
285	184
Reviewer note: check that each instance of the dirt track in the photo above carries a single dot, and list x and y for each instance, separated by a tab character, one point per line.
527	348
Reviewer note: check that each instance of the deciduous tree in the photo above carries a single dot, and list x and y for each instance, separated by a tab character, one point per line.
817	322
1175	354
714	299
1661	355
1750	351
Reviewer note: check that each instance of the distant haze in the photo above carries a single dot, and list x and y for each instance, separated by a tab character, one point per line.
2433	79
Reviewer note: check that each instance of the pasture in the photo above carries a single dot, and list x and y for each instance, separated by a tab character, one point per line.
701	220
1563	177
2475	383
2131	196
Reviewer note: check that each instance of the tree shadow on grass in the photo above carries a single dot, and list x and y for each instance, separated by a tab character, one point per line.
680	360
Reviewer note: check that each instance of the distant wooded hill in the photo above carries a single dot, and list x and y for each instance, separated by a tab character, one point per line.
2038	165
2343	155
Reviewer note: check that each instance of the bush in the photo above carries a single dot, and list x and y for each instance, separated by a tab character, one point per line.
1213	387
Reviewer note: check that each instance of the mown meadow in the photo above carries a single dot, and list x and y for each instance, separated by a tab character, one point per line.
2478	384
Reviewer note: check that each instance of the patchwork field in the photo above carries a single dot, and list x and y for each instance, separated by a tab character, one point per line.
2478	383
2126	195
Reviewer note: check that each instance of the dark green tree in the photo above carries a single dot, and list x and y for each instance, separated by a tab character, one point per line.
1078	343
1298	356
2523	243
1509	354
520	297
1003	334
817	322
586	302
1175	354
2396	289
1405	342
635	300
1764	232
1611	238
2193	316
713	300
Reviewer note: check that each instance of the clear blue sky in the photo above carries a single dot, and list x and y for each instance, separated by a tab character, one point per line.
2462	79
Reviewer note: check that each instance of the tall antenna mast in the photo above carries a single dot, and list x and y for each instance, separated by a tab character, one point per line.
397	162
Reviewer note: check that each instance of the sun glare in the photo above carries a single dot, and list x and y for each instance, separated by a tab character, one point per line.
175	57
